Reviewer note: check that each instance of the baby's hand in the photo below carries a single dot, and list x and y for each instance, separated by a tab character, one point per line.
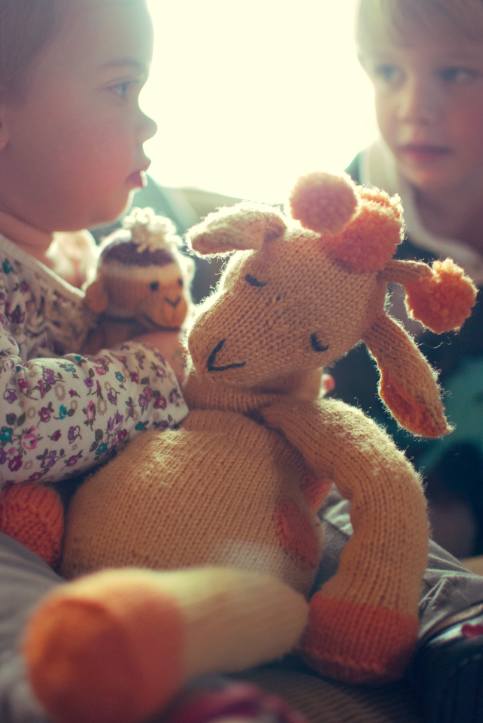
73	257
169	344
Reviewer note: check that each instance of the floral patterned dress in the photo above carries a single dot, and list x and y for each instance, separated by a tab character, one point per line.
62	413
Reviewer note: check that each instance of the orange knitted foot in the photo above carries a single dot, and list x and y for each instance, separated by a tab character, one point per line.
356	642
33	515
105	649
115	646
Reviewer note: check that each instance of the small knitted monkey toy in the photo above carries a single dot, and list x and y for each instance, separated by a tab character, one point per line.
142	281
240	483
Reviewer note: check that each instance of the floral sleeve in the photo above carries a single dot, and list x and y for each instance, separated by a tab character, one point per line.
63	416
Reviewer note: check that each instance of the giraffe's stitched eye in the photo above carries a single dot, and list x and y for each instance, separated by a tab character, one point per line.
154	286
316	345
254	282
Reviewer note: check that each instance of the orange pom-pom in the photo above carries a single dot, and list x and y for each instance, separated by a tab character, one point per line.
443	300
323	201
371	193
371	239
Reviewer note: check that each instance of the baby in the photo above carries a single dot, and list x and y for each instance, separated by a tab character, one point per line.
71	156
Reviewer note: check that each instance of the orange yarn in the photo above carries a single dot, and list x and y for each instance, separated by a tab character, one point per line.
371	239
34	515
371	193
410	413
296	535
442	301
115	635
372	634
315	489
323	202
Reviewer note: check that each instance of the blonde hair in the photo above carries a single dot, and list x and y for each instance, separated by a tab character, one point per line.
437	17
26	26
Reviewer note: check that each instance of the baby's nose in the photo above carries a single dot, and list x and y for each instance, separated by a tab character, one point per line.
148	128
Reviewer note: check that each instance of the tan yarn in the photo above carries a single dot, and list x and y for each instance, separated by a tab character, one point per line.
236	484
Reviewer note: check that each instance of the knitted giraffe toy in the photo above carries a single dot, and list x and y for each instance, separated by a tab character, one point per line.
239	484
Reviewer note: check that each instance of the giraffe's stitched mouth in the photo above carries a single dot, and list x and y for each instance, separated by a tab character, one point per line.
211	360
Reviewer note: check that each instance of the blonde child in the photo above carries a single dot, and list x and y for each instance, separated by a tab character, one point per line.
425	61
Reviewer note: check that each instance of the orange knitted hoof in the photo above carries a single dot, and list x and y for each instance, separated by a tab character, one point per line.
105	649
33	515
356	642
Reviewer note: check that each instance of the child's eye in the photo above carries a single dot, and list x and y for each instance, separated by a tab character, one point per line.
458	75
121	89
388	74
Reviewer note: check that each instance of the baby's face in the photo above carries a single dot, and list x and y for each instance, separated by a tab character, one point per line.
429	104
75	142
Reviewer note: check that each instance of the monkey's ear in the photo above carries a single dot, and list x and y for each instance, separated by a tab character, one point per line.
96	296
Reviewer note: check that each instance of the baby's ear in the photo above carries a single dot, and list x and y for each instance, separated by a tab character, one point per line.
96	298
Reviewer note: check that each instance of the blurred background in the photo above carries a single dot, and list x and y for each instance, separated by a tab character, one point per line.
249	95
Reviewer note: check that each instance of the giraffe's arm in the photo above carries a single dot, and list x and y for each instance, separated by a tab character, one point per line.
364	619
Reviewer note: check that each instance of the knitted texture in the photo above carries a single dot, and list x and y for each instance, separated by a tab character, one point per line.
114	647
142	281
34	516
239	483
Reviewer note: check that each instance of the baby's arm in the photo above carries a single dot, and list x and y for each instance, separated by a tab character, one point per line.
170	345
63	416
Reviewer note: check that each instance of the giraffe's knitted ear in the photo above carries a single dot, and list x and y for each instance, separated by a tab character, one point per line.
407	385
240	227
96	297
440	297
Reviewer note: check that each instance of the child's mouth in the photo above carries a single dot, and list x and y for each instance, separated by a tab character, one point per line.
137	179
424	153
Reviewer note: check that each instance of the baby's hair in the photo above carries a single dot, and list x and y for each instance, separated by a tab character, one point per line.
26	26
438	17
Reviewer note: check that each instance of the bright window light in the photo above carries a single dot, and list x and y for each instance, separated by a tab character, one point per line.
249	95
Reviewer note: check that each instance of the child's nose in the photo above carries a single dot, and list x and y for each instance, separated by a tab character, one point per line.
148	128
419	103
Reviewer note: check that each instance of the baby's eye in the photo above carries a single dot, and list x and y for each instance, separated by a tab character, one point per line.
154	286
458	75
121	89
